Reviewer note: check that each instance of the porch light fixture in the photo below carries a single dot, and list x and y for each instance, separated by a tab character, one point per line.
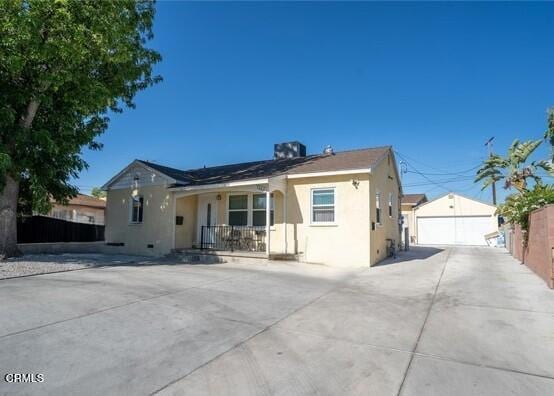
355	183
218	197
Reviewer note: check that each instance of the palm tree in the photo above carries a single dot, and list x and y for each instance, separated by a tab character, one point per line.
549	134
512	168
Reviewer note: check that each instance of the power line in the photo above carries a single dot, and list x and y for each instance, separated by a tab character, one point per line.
404	156
438	183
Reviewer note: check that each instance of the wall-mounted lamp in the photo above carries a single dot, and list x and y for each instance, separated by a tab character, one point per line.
218	197
355	183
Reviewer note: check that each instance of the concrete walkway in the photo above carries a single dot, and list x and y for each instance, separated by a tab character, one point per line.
456	321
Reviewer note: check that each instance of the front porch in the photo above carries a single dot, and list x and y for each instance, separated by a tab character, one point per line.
245	218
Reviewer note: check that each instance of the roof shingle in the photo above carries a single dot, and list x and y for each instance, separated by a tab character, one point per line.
342	160
413	199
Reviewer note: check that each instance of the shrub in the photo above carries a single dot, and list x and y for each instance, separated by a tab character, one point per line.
518	207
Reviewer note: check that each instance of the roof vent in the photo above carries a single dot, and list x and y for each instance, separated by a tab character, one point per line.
328	150
289	150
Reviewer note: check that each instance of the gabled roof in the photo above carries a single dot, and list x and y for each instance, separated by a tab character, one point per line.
413	199
339	161
87	200
459	195
227	173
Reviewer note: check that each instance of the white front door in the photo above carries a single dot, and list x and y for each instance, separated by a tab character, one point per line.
207	216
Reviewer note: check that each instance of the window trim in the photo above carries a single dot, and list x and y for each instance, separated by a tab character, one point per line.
131	207
248	204
323	223
249	208
391	199
271	209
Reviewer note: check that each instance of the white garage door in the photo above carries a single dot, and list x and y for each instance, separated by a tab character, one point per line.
453	230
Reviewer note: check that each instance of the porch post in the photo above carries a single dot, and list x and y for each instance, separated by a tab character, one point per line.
267	221
285	221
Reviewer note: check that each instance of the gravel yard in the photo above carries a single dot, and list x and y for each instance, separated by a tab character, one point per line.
33	264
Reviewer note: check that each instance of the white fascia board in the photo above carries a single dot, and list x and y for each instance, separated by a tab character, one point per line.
221	185
329	173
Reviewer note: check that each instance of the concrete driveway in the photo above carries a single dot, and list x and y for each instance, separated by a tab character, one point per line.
456	321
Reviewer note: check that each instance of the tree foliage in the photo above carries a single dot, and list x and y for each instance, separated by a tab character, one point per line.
513	168
98	192
64	65
517	207
549	133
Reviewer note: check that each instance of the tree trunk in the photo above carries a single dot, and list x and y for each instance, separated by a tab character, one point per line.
8	219
9	196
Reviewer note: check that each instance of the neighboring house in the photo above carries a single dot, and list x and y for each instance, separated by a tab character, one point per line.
80	209
333	208
407	205
454	220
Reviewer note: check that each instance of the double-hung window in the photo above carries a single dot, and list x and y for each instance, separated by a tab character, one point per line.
258	210
378	208
390	204
137	206
238	210
323	205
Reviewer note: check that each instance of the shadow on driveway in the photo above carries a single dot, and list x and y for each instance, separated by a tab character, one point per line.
415	253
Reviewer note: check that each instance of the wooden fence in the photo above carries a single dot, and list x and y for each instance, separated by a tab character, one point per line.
36	229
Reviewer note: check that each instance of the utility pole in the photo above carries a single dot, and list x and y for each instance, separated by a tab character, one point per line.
489	145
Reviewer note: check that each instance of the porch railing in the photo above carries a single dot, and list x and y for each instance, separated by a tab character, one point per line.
231	238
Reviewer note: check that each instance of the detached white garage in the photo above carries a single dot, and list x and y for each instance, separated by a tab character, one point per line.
454	220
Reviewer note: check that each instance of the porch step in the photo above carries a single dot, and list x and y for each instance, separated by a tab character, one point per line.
195	258
283	256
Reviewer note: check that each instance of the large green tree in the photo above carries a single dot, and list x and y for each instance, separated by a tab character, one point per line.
64	65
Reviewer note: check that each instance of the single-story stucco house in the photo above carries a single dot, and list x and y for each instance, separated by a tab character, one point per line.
453	219
335	208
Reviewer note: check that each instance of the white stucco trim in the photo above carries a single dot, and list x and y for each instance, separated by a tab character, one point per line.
252	182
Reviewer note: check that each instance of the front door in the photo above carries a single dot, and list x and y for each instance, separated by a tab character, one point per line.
207	216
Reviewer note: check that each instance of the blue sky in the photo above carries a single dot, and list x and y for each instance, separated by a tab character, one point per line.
434	80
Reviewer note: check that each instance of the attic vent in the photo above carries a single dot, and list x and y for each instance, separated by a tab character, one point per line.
289	150
328	150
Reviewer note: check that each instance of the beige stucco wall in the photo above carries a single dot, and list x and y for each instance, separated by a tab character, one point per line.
385	181
158	221
343	244
455	205
185	234
408	212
